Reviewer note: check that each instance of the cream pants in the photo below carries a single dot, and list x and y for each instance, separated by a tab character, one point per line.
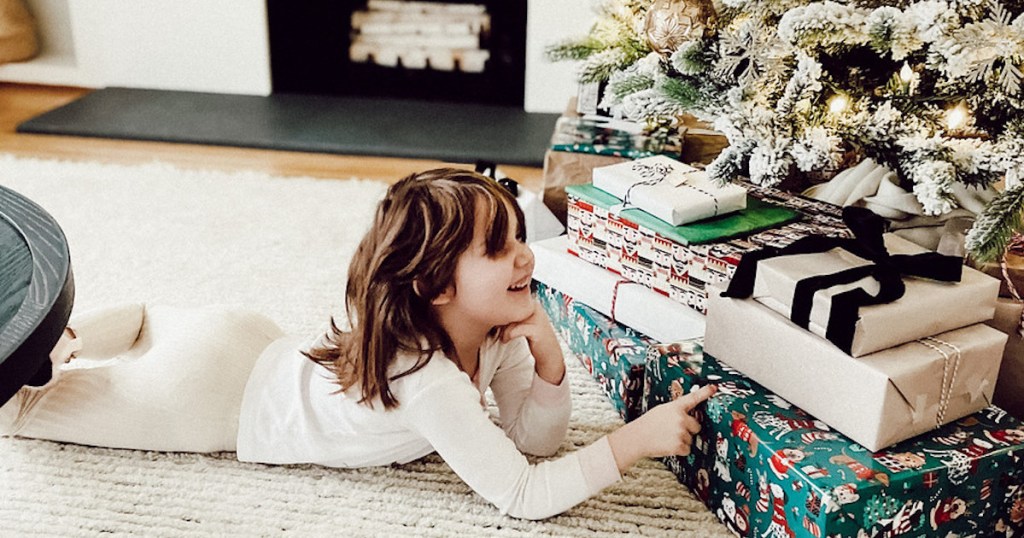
148	378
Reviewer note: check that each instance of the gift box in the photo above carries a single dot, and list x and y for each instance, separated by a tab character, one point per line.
926	307
768	468
1013	275
669	190
613	353
650	252
1009	393
604	135
897	393
629	303
702	144
562	168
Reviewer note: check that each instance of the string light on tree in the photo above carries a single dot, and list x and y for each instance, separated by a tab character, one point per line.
838	103
908	79
906	73
797	85
956	117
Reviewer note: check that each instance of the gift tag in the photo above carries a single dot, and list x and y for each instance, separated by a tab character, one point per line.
681	176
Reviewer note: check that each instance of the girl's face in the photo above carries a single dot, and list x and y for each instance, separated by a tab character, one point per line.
491	291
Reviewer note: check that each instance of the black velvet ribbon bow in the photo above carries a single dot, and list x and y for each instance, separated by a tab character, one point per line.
887	269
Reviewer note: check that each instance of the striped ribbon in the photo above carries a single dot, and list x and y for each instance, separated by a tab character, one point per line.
615	296
1015	247
950	354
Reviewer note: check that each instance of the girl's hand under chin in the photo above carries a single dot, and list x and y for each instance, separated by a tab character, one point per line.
540	335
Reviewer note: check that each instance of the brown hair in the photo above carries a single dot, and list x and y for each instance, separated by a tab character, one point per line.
406	260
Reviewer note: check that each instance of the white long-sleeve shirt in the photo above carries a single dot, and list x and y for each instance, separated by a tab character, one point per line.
292	413
186	378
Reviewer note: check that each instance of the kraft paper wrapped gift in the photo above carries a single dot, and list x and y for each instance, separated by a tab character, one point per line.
702	143
767	468
1014	272
632	304
877	399
563	168
672	191
1010	387
926	307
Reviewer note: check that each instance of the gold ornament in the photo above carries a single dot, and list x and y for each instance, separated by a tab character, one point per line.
671	23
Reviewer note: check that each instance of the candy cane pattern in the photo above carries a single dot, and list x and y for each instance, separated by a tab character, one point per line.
812	527
986	489
812	436
742	490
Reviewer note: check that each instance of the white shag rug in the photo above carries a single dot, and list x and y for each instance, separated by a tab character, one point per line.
280	246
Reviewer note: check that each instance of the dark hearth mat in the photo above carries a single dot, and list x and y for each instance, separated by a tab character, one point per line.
324	124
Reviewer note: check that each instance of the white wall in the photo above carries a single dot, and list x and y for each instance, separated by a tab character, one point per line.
550	85
199	45
222	46
56	62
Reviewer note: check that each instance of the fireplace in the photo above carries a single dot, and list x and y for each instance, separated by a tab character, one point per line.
466	51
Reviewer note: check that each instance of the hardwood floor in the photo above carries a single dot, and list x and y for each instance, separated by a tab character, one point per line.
19	102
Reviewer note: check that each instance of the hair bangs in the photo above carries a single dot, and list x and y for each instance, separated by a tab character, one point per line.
497	205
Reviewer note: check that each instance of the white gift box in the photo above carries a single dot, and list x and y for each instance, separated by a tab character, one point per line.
876	400
672	191
927	307
541	223
644	310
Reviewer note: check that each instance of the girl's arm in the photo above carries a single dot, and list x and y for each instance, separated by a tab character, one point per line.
449	416
107	332
534	412
664	430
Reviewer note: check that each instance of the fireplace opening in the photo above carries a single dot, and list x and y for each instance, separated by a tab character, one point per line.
466	51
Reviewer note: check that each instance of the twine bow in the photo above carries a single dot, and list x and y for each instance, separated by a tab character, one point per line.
868	243
654	173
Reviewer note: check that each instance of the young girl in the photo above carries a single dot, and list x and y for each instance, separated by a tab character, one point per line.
439	310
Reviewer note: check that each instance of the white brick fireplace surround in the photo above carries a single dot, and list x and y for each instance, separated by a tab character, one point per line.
221	46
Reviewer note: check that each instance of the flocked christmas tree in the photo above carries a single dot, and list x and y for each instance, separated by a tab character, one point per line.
934	90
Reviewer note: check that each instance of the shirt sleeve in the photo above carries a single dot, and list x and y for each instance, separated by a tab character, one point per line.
110	331
449	415
534	413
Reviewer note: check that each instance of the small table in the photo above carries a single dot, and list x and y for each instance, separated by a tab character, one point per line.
37	291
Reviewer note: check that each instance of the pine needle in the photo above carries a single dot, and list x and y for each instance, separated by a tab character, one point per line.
573	49
599	67
991	233
681	92
629	85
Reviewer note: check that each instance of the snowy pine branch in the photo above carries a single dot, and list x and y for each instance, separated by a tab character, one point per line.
988	238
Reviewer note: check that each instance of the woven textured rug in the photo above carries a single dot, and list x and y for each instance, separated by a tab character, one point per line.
280	246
